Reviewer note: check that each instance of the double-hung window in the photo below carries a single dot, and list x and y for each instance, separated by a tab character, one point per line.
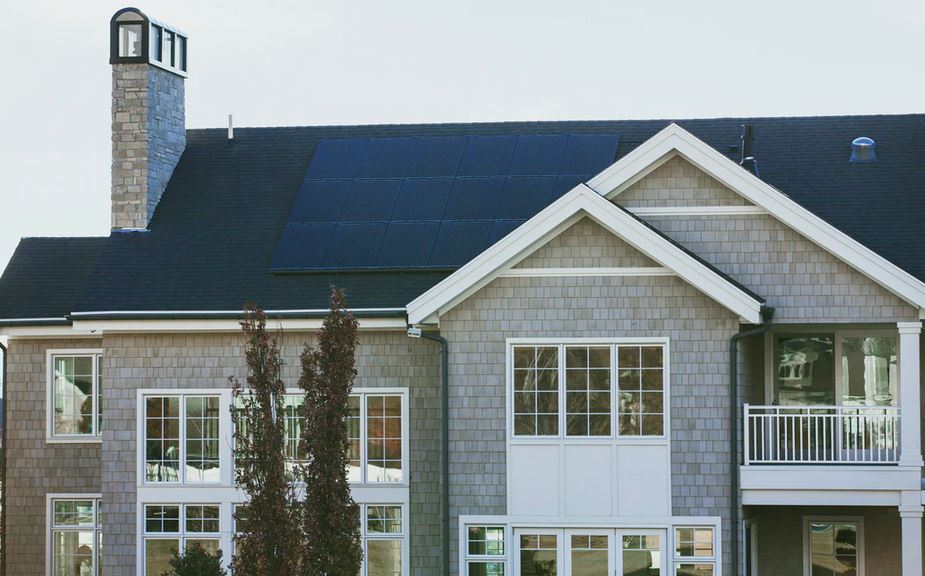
694	551
75	409
485	553
75	536
598	390
383	539
181	438
175	527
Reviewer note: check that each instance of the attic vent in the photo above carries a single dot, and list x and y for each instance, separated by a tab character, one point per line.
863	149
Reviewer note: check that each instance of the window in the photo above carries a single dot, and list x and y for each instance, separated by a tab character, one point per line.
169	527
157	35
839	368
182	449
610	390
834	546
76	537
485	552
538	554
589	554
75	402
166	55
694	551
181	53
641	555
383	540
130	40
383	438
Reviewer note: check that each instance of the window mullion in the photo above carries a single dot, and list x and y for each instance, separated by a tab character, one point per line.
560	388
364	448
182	441
614	396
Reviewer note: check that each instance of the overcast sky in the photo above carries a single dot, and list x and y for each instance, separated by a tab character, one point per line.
347	62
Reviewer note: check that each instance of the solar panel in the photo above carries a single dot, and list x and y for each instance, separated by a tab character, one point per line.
428	202
457	242
301	243
474	198
407	244
371	200
423	199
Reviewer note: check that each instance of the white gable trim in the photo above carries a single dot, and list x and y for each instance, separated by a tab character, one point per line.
581	201
674	140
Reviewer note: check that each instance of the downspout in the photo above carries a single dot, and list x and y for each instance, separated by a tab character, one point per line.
445	438
767	314
3	373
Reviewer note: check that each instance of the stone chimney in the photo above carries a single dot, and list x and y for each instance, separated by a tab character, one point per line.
149	63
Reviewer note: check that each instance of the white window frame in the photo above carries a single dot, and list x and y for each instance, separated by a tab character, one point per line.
50	436
404	536
224	448
614	343
675	560
807	553
468	558
50	525
182	536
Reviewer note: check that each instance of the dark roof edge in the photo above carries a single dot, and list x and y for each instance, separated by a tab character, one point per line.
232	314
34	322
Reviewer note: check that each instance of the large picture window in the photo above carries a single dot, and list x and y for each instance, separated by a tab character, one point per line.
836	368
76	538
182	438
592	391
75	410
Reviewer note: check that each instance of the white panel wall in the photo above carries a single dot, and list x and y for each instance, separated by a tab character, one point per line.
589	479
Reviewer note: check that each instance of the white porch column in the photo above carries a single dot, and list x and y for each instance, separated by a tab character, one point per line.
910	514
909	395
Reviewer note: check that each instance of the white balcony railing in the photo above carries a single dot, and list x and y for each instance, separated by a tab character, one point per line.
821	434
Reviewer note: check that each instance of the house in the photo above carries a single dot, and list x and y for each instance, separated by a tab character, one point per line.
587	348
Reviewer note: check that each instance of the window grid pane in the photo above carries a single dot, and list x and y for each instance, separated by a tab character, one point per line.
538	554
162	519
587	382
834	547
75	537
162	439
383	438
641	391
693	542
641	554
383	519
202	421
292	432
536	391
202	519
486	541
74	391
354	440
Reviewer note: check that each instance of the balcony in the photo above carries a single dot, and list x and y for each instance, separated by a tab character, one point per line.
821	435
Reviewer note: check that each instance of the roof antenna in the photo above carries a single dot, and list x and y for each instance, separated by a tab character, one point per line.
230	127
748	158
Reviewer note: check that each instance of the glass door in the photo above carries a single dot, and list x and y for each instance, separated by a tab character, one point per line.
590	552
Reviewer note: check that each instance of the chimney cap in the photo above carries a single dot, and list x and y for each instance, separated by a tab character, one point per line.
137	39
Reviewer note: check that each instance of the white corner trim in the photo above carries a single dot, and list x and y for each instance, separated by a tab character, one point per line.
580	202
697	210
576	272
674	140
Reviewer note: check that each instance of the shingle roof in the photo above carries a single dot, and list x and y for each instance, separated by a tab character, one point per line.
45	277
212	238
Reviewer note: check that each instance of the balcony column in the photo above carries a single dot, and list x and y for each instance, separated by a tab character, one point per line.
910	515
909	394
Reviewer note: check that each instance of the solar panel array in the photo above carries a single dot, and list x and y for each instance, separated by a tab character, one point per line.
427	202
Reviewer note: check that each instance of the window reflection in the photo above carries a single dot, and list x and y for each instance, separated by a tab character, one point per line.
806	370
869	370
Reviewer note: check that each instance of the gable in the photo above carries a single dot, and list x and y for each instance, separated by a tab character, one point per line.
675	141
675	183
561	215
586	244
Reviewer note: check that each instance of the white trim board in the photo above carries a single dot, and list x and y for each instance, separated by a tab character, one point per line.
675	141
579	203
575	272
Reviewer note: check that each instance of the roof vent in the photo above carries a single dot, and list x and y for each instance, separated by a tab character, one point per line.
863	149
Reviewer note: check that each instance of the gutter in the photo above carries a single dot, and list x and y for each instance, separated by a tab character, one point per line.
445	438
767	314
230	314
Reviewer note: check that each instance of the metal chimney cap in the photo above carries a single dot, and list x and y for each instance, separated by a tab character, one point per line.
863	149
